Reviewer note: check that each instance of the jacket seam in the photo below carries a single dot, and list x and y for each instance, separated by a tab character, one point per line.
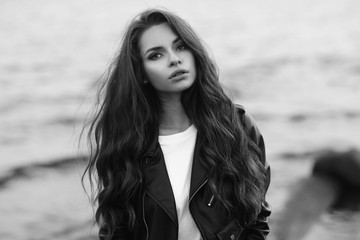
146	226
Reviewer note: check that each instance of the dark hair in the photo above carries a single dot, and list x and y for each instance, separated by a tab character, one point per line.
126	123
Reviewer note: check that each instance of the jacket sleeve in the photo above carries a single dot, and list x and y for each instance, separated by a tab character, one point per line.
260	228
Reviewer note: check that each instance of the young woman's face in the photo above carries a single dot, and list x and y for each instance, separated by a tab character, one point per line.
168	63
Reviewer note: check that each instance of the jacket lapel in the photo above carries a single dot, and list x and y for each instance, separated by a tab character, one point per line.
157	183
156	179
199	171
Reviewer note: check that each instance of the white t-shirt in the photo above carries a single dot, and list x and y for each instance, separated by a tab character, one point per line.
178	150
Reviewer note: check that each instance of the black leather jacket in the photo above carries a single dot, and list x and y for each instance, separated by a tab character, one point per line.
156	211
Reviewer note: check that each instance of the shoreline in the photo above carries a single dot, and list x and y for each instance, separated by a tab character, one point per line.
26	171
46	201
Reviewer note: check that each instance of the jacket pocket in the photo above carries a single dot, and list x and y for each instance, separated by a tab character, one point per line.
232	231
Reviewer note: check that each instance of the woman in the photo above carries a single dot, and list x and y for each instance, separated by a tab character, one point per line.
172	156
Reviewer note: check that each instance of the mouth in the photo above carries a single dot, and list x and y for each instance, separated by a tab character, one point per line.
178	73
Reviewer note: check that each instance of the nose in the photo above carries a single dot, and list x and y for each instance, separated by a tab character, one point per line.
175	60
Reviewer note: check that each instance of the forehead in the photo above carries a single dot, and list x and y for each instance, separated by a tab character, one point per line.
156	36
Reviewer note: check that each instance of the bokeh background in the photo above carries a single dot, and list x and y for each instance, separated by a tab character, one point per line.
294	65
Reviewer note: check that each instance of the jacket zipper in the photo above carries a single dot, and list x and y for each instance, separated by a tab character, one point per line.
211	201
192	212
147	228
192	196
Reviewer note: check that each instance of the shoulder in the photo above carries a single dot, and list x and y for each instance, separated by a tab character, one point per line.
255	135
251	129
248	122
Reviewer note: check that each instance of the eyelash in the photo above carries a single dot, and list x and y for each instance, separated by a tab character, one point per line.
182	46
179	47
154	56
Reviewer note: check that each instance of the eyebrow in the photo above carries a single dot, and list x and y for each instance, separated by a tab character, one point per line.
177	39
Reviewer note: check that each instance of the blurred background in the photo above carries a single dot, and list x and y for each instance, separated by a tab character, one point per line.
294	65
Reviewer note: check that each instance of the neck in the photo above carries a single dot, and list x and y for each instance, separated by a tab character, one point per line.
173	118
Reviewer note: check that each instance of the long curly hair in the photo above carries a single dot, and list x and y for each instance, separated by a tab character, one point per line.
127	122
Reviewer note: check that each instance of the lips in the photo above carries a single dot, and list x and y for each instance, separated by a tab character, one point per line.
178	73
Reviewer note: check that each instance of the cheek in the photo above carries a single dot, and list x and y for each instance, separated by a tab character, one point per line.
190	58
193	64
151	72
155	74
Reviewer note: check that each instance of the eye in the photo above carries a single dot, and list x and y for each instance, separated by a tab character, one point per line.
181	47
154	56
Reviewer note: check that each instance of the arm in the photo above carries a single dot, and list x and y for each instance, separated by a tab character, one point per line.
260	228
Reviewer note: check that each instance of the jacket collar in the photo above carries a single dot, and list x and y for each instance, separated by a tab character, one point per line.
156	180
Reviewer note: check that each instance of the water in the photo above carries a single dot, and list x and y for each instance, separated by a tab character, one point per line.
295	65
